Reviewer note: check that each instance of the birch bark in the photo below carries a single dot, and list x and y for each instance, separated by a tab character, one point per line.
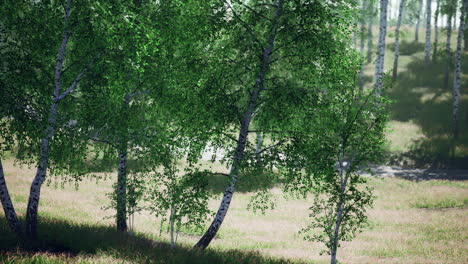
369	32
448	50
427	47
381	46
242	138
363	28
436	31
456	79
416	33
7	204
397	40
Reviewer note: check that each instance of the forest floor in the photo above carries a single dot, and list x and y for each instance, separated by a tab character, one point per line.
420	213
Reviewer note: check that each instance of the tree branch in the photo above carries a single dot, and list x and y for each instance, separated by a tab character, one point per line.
243	23
271	146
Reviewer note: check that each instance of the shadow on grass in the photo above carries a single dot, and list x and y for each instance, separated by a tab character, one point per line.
65	242
420	97
407	48
250	182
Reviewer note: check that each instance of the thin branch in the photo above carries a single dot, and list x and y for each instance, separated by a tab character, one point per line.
257	13
243	23
129	96
271	146
218	173
61	52
284	57
77	79
94	138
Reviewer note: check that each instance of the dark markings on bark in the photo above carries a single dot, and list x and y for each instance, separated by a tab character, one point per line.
397	40
244	130
381	48
456	77
448	50
7	204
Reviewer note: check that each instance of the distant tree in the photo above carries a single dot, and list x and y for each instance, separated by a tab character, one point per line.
427	46
379	65
362	35
448	9
354	138
397	40
416	33
370	36
436	31
179	198
456	78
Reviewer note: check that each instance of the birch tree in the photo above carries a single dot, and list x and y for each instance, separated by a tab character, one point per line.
397	40
456	78
265	69
436	31
43	121
370	36
449	8
361	49
418	22
341	196
427	47
381	46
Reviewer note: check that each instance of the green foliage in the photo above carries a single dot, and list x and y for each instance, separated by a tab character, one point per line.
180	199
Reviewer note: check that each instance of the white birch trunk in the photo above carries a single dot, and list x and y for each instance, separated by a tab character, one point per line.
427	47
363	28
436	32
121	190
42	166
242	138
456	79
448	50
369	32
339	208
416	33
7	204
397	40
381	46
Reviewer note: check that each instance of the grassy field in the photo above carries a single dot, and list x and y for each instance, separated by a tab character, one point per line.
411	222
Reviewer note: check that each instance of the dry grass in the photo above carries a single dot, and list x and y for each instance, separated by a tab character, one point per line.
400	230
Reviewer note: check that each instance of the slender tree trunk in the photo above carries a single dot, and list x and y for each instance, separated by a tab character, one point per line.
416	33
369	32
171	224
427	47
35	191
381	46
456	79
436	32
397	40
334	247
339	208
7	205
465	37
363	28
242	138
355	36
448	49
121	190
258	147
465	33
